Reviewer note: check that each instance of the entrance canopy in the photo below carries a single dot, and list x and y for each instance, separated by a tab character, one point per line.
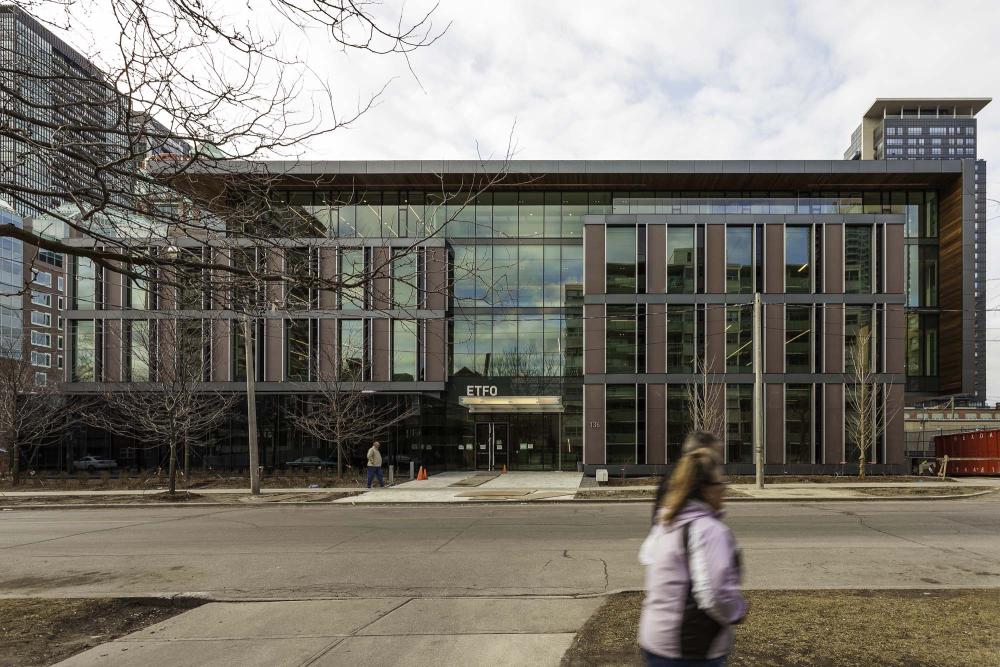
508	404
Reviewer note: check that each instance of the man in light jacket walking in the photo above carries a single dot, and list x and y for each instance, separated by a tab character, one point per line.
375	465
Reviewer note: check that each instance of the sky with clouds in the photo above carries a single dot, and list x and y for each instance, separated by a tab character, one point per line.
657	80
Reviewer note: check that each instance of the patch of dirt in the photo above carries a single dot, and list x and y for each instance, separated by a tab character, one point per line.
654	480
940	628
891	492
182	497
45	631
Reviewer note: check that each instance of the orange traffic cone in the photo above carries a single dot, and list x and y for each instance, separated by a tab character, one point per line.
422	473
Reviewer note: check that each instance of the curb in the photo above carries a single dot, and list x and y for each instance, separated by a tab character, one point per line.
468	503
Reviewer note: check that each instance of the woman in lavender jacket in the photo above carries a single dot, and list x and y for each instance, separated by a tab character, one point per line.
693	595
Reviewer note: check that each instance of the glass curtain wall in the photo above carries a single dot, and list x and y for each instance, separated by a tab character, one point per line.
739	260
739	339
798	260
739	423
798	423
621	260
857	259
681	278
622	424
680	338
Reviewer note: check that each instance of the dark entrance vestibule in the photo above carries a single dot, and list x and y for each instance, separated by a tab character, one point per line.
517	441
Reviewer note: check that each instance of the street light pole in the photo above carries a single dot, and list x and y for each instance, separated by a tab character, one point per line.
758	395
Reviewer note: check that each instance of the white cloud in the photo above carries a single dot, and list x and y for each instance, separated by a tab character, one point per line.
669	80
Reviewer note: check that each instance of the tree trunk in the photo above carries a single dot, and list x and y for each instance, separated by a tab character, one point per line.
251	409
187	458
15	465
172	471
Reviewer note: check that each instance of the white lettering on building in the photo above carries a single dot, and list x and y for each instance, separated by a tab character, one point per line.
480	390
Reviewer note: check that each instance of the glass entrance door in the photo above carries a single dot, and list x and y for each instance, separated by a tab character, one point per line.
492	446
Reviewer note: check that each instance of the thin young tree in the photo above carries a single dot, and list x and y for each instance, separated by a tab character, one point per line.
31	414
868	411
162	399
706	400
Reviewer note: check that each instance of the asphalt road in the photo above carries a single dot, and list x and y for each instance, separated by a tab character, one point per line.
343	551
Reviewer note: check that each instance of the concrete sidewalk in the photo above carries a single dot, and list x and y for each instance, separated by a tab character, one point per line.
535	486
385	631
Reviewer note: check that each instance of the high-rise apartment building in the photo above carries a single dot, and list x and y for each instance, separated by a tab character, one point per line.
932	129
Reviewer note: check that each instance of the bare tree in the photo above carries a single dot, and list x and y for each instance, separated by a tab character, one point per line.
868	413
706	401
31	414
164	400
182	87
344	414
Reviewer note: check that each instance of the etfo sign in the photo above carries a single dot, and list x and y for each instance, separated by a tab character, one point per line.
481	390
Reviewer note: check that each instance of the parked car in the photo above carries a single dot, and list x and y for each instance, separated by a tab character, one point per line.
93	464
306	462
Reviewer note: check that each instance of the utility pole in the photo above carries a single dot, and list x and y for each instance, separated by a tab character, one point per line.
758	394
251	406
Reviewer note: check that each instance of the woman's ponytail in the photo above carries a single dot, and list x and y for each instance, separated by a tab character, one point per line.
693	472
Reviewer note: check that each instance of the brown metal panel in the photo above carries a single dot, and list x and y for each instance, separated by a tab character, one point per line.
436	267
895	444
593	338
656	338
113	351
774	423
328	349
833	338
436	358
381	349
220	351
894	251
833	427
593	259
656	423
328	270
113	289
774	338
715	262
656	259
593	426
715	338
833	259
950	272
895	337
275	261
774	259
380	285
274	337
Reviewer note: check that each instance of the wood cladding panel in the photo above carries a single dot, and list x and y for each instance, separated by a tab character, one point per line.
950	287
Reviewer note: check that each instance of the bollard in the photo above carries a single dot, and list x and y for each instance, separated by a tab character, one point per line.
411	471
392	475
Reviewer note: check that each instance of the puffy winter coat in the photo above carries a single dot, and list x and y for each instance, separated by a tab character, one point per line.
693	592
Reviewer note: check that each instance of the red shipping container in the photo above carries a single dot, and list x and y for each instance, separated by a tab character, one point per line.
981	449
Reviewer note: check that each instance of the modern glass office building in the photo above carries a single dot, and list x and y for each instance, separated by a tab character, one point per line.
560	316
